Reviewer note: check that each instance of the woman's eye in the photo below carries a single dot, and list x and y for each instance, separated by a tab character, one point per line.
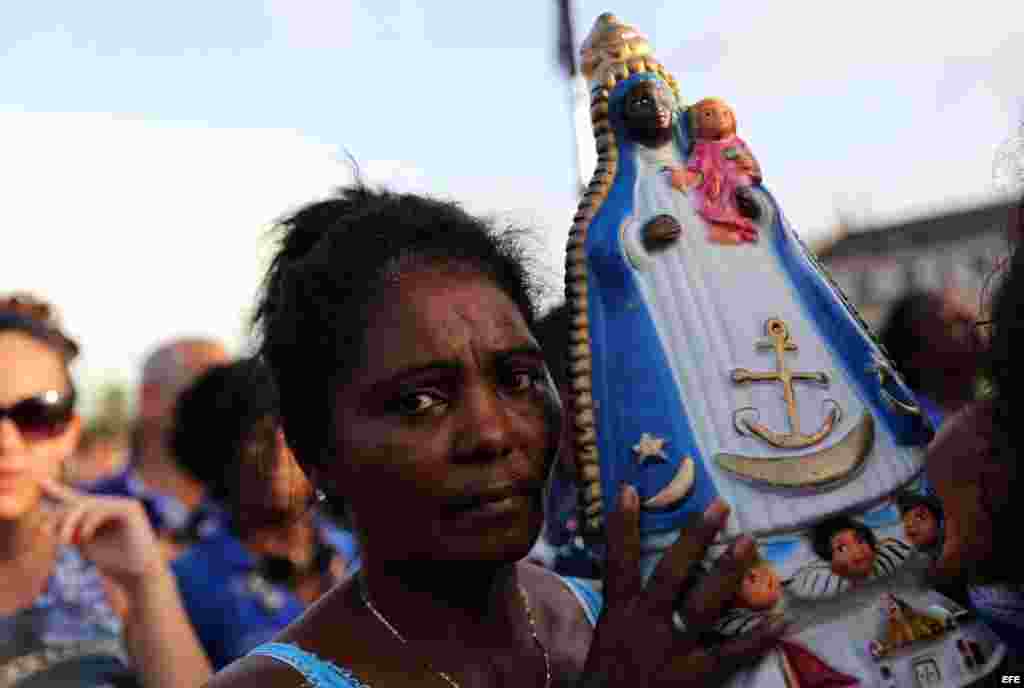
521	380
419	404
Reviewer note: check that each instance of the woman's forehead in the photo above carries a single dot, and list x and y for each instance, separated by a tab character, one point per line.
28	366
434	300
437	317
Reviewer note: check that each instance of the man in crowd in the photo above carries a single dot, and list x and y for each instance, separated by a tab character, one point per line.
152	474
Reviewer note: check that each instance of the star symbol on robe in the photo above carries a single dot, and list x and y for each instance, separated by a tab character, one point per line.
649	447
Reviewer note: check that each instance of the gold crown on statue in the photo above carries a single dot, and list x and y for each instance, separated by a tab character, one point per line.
613	51
610	45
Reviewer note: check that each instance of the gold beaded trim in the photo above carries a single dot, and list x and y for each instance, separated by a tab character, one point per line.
580	361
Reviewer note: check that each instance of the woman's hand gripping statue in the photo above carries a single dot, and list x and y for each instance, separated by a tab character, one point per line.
636	642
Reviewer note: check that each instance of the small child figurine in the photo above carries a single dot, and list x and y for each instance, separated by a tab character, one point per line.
922	521
723	168
853	555
760	599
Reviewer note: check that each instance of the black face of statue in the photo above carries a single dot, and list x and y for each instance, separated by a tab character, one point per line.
648	113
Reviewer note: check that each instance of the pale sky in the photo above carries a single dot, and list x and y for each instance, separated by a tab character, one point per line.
147	147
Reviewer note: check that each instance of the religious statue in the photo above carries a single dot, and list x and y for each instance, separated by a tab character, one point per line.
704	367
712	356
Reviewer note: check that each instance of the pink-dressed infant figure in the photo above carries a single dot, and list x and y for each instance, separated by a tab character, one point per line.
719	169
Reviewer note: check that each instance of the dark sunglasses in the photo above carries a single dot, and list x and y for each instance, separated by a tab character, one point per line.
43	416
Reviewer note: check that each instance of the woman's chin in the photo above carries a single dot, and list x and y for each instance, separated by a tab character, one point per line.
498	546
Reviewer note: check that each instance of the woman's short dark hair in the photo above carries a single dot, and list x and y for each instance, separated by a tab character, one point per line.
552	333
903	336
334	258
217	416
822	534
1003	369
1006	341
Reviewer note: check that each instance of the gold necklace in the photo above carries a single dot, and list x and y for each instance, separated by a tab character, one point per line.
365	595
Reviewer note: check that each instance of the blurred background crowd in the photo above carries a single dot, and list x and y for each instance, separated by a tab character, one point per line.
191	452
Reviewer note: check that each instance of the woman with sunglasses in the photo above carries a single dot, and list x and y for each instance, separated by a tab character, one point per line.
68	560
412	391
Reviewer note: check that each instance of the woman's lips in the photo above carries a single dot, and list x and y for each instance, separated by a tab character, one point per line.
500	500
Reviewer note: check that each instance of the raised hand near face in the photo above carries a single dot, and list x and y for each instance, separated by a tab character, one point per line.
636	642
111	532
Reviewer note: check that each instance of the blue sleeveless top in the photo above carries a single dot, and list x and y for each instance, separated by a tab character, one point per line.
322	674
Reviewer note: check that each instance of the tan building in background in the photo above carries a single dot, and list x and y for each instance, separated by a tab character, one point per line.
876	266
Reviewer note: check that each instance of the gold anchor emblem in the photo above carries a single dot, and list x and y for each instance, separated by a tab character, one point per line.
778	339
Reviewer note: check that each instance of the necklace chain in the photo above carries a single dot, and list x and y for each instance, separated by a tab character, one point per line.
447	677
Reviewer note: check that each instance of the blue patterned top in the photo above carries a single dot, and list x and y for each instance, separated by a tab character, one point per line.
234	605
70	619
320	673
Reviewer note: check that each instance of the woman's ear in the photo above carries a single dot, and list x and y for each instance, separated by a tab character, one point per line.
68	445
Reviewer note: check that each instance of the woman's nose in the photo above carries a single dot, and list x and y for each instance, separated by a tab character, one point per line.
485	431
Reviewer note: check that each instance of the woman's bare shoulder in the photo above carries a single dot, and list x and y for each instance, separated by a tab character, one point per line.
556	588
324	630
562	622
257	672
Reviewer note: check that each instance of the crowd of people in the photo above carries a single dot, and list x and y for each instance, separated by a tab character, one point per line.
385	492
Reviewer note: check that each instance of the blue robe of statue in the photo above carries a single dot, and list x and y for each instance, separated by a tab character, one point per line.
670	328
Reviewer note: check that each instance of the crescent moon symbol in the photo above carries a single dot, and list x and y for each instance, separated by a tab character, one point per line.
677	489
826	467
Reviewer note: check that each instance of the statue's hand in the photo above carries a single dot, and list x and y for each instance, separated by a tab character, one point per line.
683	179
661	231
746	203
636	643
749	165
